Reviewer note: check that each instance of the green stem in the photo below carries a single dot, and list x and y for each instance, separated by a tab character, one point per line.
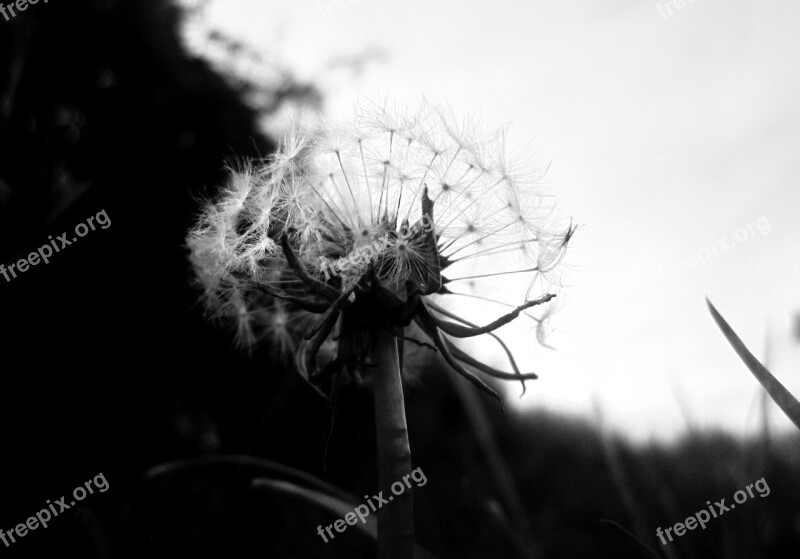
395	518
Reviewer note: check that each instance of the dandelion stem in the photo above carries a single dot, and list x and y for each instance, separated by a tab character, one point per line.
395	519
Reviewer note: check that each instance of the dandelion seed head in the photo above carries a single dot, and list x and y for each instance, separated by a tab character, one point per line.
395	207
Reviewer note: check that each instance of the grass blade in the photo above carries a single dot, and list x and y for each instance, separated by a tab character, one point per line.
776	391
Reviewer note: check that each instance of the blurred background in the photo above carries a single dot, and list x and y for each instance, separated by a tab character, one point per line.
671	137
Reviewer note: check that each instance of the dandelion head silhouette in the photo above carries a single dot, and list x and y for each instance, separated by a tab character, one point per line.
348	230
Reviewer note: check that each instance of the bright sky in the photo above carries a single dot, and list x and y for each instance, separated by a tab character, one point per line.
674	142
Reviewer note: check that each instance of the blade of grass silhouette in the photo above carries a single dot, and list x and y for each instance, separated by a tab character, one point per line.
683	406
235	465
612	452
513	512
765	435
776	391
633	539
335	506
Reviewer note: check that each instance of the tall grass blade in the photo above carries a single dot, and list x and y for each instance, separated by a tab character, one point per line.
776	391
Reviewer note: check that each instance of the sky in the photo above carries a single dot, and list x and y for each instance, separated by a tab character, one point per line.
673	138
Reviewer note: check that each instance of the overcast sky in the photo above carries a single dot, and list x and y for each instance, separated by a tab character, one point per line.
674	141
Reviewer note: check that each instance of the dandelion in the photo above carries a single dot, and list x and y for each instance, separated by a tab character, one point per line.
411	211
